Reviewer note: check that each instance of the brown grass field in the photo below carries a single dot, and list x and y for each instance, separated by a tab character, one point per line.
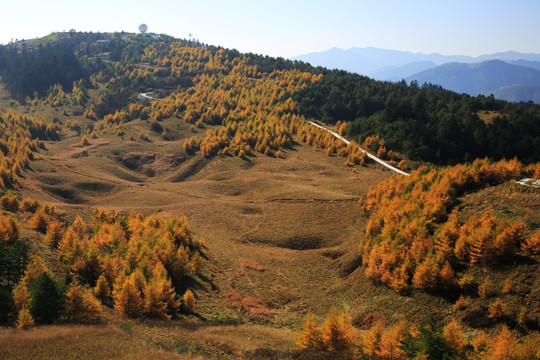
273	227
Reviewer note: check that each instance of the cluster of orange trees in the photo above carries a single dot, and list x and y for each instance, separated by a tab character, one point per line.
417	237
20	137
248	109
413	341
136	264
253	109
133	262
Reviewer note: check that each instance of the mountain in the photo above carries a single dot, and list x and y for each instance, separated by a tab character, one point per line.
526	63
394	73
376	62
453	72
509	56
385	57
336	58
518	93
480	78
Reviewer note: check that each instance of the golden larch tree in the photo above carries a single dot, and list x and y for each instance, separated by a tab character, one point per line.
390	341
54	234
189	301
531	245
485	289
129	301
159	299
480	343
504	345
496	310
453	336
426	275
311	334
25	319
103	290
371	340
81	306
338	333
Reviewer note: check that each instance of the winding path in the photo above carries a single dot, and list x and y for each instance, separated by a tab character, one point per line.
371	156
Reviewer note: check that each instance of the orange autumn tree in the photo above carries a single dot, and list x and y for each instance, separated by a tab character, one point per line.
453	336
416	236
504	345
159	296
372	340
496	310
81	305
338	333
24	319
189	300
390	342
9	229
129	301
311	334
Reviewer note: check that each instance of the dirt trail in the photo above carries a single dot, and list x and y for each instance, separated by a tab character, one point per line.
371	156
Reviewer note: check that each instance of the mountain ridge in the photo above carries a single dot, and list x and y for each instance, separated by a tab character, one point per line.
394	65
478	78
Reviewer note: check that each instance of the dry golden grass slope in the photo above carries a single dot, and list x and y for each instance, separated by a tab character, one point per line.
273	228
268	223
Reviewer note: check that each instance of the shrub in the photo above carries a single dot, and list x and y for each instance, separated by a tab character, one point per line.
189	301
10	203
25	319
496	310
84	141
29	205
144	136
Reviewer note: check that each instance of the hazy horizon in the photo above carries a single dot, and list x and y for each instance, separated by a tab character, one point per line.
288	29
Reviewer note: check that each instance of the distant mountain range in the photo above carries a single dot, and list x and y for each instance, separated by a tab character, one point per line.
478	78
510	75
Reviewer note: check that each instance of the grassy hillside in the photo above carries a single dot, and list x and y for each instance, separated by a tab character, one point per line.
219	186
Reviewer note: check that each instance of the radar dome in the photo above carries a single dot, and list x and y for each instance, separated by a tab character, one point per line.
143	28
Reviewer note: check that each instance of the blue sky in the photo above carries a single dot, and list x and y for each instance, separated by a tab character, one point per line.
287	27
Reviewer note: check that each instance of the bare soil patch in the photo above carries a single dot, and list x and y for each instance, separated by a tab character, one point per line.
248	303
250	264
